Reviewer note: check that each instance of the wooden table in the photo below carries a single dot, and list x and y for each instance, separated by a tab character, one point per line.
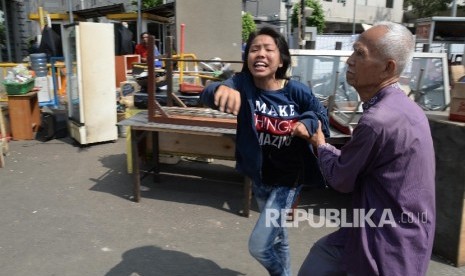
24	115
187	140
180	140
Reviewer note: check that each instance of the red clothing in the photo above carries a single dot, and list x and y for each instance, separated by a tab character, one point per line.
141	50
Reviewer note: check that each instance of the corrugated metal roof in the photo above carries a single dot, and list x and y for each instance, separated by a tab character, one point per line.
100	11
166	10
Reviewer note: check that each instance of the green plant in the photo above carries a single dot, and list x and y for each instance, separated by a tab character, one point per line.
428	8
317	19
146	4
248	26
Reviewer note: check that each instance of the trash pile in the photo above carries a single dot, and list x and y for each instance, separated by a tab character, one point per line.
19	74
18	80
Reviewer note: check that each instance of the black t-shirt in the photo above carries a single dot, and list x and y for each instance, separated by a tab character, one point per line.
275	116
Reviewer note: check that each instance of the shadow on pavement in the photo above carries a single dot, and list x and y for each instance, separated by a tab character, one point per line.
152	260
115	180
216	185
207	184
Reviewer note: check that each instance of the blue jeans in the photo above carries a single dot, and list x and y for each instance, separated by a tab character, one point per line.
269	244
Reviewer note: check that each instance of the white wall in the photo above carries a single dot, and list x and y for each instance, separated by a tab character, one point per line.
367	11
213	28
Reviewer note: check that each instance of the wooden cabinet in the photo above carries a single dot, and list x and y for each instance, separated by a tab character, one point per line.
123	66
24	115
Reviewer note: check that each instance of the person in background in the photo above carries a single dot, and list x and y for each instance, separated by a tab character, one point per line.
124	44
269	107
142	47
388	166
33	46
50	43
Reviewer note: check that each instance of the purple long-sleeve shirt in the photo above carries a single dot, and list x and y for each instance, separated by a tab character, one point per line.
389	166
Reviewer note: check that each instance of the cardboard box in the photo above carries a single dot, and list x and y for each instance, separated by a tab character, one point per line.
128	101
455	73
457	103
128	88
46	93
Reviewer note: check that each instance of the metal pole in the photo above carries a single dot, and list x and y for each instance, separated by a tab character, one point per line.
288	22
7	32
41	18
169	70
257	8
181	54
454	9
302	24
299	29
70	8
139	20
453	14
353	21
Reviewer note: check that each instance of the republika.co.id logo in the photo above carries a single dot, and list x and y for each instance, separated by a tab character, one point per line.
341	218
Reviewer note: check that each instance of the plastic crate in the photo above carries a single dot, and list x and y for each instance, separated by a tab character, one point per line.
13	88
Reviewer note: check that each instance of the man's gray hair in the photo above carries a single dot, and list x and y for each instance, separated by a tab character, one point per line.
397	44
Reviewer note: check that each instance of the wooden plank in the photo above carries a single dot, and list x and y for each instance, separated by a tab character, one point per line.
193	116
221	147
196	121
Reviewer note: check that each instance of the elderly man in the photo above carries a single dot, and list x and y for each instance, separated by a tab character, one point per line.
388	165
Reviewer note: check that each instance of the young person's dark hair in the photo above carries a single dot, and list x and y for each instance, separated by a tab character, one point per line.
143	33
282	46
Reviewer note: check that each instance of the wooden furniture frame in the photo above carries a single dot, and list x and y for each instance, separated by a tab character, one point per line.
123	67
182	140
183	115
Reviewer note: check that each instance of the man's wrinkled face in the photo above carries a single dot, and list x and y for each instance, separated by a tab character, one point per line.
365	65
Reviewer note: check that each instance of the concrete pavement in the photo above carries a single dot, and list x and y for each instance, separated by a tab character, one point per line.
67	210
